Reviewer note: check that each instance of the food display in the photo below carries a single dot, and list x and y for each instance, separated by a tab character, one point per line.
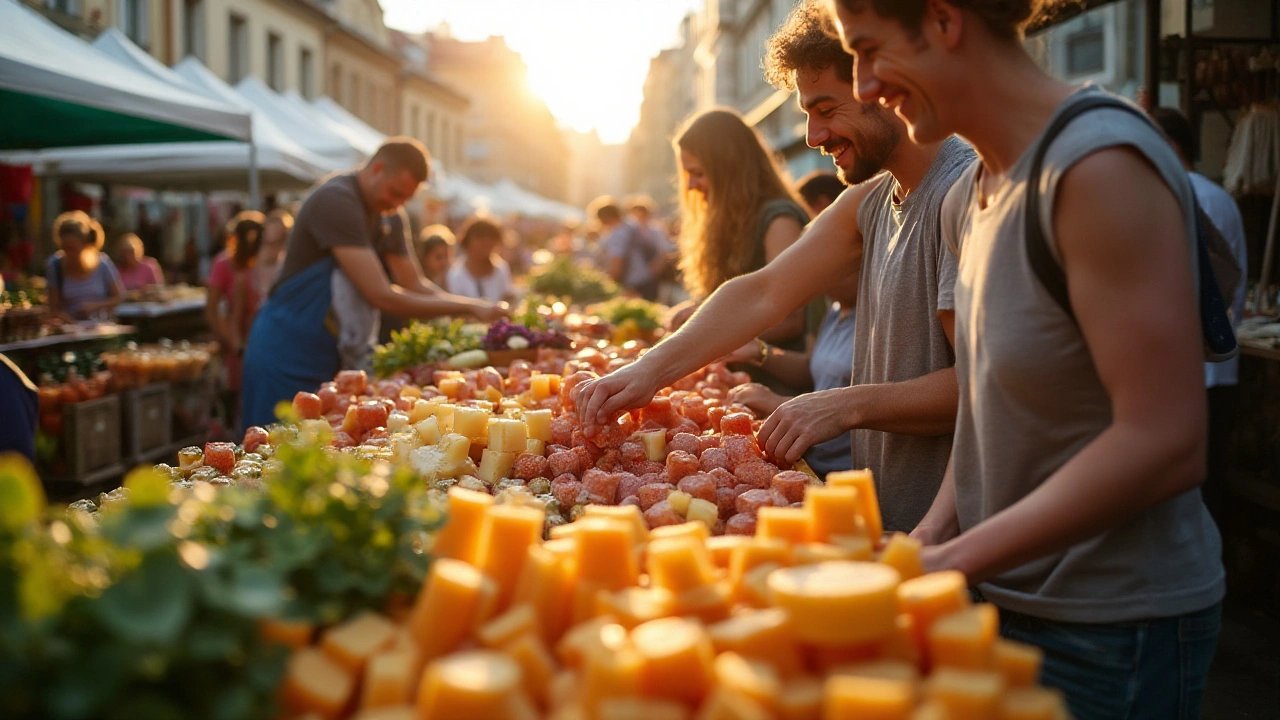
140	365
23	315
576	282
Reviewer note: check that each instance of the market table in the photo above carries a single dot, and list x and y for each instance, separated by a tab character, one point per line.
100	331
176	319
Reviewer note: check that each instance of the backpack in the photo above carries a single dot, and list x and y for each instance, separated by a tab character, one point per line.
1219	273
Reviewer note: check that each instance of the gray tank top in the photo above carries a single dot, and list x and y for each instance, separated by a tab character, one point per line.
1030	399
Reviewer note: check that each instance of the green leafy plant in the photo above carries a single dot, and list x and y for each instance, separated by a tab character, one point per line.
580	283
425	342
646	315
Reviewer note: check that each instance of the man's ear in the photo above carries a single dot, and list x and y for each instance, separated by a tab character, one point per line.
944	22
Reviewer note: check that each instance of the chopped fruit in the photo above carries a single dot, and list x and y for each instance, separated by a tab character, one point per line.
351	382
308	405
220	456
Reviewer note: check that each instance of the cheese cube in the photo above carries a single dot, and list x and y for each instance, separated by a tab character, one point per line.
801	699
538	425
810	553
903	554
456	597
965	639
577	643
456	449
679	501
626	513
1033	703
605	553
545	583
832	511
838	603
868	504
459	538
389	679
479	683
1019	663
507	436
636	605
452	386
862	697
753	590
612	667
494	465
883	669
757	552
630	708
397	421
677	659
930	597
505	537
314	683
655	444
421	411
535	447
678	563
352	643
703	511
537	667
726	704
540	386
753	678
520	619
709	603
763	635
471	422
290	633
784	523
721	548
692	530
966	695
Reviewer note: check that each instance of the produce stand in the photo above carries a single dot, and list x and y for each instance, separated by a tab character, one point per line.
177	320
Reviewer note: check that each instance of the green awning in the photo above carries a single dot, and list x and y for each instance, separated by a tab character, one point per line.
31	122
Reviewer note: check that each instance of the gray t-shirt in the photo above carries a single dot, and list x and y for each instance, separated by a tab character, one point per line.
1031	399
907	277
335	215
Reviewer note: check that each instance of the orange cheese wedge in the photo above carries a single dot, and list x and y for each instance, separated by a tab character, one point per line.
1019	663
479	683
838	603
763	635
1033	704
499	631
314	683
833	510
545	584
870	698
677	657
784	523
505	537
868	504
605	552
460	535
352	643
903	554
965	639
679	563
967	695
389	680
456	597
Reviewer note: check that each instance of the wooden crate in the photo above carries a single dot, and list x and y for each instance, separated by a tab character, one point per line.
147	417
192	405
92	434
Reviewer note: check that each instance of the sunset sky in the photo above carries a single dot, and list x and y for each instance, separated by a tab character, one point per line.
586	58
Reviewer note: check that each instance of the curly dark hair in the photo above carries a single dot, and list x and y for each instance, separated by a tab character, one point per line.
1005	18
806	41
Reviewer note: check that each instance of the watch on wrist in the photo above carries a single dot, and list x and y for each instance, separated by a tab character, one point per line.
764	353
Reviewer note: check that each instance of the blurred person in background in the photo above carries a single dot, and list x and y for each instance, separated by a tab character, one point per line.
275	238
629	253
480	272
136	269
436	254
233	299
515	250
83	282
819	189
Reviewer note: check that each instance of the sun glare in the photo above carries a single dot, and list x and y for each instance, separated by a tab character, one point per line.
587	58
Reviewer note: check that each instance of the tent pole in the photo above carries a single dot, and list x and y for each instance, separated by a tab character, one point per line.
255	199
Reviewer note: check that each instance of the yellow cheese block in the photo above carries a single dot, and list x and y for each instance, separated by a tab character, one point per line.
352	643
902	644
868	503
757	552
967	695
538	424
630	708
695	530
314	683
753	678
509	625
605	553
573	648
636	605
586	601
726	704
838	603
479	683
929	597
507	435
883	669
810	553
1019	663
537	667
505	537
965	639
389	679
455	598
858	544
563	532
290	633
613	668
625	513
764	635
709	603
678	563
801	699
784	523
754	588
1033	703
862	698
460	535
677	655
545	584
471	422
720	548
833	510
903	554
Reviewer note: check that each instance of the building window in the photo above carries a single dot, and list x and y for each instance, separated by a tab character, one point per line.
430	138
444	137
69	7
237	49
134	22
335	83
1086	52
275	62
412	130
193	28
457	144
304	72
353	94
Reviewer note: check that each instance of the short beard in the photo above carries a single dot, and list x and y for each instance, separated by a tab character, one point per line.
874	148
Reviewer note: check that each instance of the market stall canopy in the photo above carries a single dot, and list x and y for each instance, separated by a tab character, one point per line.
282	163
336	118
58	91
301	126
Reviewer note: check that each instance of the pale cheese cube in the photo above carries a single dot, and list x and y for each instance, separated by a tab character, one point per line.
507	436
538	424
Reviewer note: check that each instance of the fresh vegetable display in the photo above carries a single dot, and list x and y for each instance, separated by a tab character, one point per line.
577	282
425	342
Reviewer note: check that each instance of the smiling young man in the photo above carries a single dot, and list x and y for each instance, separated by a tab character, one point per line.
902	403
1072	502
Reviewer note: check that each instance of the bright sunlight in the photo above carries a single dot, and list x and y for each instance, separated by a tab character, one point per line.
587	58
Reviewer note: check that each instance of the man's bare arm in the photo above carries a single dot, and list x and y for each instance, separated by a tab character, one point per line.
407	273
365	272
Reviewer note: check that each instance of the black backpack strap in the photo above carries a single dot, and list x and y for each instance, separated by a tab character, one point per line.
1046	268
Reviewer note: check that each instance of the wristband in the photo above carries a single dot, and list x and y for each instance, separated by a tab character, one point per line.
764	353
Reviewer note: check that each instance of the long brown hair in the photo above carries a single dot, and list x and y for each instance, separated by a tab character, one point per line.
717	231
244	235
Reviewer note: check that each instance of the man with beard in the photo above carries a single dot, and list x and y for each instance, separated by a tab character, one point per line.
901	405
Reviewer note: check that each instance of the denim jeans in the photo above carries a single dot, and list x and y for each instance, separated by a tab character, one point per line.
1147	670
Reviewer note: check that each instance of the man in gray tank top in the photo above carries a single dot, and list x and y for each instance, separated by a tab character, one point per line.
903	398
1073	500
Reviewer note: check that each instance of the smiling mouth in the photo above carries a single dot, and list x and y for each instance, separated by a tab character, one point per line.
836	151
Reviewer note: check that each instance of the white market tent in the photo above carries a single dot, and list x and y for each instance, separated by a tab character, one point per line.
336	118
301	126
281	163
58	91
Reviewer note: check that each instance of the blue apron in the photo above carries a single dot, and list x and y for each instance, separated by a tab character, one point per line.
291	347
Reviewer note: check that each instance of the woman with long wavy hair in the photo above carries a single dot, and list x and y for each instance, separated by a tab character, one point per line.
737	209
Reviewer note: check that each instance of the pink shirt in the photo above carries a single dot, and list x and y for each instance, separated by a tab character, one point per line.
146	272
